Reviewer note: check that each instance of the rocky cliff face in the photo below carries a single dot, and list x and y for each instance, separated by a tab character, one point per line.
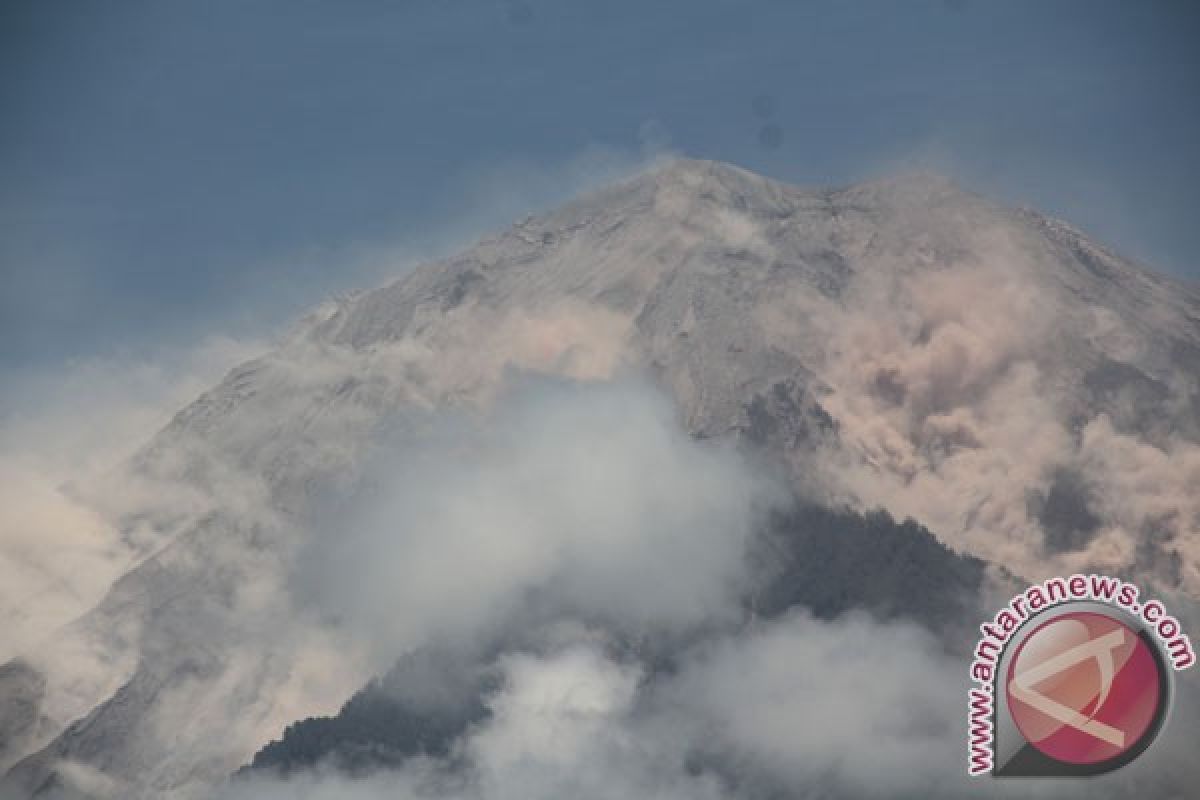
1030	397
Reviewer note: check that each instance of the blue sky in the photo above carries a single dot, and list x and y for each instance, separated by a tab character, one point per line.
168	169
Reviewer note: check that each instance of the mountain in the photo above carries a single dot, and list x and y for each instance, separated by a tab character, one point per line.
1028	396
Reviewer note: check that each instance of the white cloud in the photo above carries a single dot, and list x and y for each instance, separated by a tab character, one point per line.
589	494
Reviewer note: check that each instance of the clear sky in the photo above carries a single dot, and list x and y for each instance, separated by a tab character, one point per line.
170	168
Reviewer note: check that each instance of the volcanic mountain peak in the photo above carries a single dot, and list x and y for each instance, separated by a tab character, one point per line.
1027	395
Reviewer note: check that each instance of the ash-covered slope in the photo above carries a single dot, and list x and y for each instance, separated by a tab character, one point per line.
1029	396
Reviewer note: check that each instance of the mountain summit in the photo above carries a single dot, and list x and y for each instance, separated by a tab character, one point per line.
1030	397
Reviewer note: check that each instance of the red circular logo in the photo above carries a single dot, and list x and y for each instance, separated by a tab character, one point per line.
1084	688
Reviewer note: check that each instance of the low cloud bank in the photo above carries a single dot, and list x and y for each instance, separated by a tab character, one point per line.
796	707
